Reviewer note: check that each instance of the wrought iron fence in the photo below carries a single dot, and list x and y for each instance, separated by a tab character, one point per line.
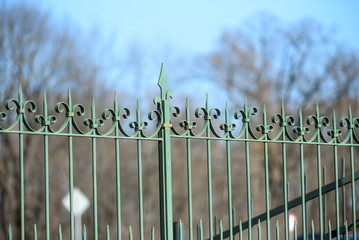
315	132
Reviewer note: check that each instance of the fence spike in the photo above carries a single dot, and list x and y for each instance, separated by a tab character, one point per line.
180	230
221	229
60	232
200	230
84	233
9	232
107	232
313	230
35	232
277	230
259	229
130	232
153	233
69	96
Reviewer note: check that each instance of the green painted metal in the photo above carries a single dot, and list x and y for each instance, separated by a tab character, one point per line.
259	229
60	232
70	115
117	161
35	232
9	233
130	233
84	233
221	230
316	130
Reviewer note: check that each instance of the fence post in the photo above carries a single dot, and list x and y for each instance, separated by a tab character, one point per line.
164	154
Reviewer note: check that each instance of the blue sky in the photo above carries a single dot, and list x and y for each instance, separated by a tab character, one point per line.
196	25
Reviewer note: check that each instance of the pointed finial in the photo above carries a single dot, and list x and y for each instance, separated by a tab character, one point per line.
35	232
162	81
84	232
69	97
138	110
20	93
187	109
152	233
115	101
207	102
130	232
108	232
264	114
227	114
9	232
45	105
60	232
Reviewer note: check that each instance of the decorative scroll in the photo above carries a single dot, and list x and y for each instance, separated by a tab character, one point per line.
71	113
207	123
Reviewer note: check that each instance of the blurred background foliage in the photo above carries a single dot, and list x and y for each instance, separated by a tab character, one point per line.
267	61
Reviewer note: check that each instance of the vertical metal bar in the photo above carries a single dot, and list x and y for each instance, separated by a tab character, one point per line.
60	232
329	229
352	177
21	166
295	231
277	229
344	215
306	205
118	176
266	174
180	230
229	178
259	229
71	168
200	230
46	169
139	175
216	225
248	173
221	230
9	233
335	152
165	162
346	229
189	177
234	220
84	233
304	225
152	233
35	232
240	230
176	231
313	231
284	162
94	175
209	175
319	170
108	233
325	200
130	233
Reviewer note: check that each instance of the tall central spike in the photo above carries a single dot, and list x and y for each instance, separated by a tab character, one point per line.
162	81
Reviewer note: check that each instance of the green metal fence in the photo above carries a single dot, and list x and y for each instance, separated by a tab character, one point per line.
315	132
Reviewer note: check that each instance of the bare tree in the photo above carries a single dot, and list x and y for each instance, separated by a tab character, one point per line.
41	55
